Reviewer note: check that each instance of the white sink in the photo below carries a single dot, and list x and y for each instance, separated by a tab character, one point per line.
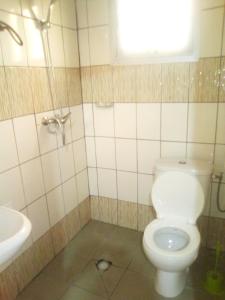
14	230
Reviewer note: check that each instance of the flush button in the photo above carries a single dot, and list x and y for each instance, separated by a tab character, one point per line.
182	162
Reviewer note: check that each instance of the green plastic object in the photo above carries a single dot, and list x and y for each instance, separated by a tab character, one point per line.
214	283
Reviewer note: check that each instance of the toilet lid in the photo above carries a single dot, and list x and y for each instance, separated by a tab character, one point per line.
178	195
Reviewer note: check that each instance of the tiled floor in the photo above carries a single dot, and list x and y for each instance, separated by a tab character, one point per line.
73	274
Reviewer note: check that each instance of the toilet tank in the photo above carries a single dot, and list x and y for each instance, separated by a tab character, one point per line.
201	169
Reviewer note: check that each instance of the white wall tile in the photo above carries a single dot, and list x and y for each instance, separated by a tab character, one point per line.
11	189
97	12
55	205
219	164
83	37
80	158
220	136
125	120
104	121
66	162
36	7
68	13
82	185
200	151
70	48
105	152
51	170
12	6
107	183
77	122
82	18
127	186
88	119
93	182
70	195
126	155
174	121
202	122
173	150
144	189
32	180
38	215
100	52
91	154
55	12
8	152
148	121
148	154
26	137
56	42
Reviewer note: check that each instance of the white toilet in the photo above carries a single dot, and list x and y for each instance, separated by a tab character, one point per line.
171	242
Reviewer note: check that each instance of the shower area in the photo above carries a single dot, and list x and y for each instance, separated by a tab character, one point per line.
80	132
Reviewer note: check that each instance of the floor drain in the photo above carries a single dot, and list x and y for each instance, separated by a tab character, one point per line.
103	265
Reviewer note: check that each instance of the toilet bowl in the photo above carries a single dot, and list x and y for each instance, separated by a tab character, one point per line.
171	242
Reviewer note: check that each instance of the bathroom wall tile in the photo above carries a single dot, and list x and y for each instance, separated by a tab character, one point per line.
82	19
71	48
55	13
70	195
60	86
219	163
18	81
97	12
93	181
86	84
59	236
210	3
5	103
8	284
66	162
107	183
26	137
173	150
8	151
126	155
148	121
175	82
68	13
105	152
55	205
37	8
127	186
222	79
145	216
200	151
77	122
148	79
38	215
103	121
80	157
12	197
108	210
72	223
12	6
214	212
148	153
220	133
51	170
204	80
174	121
91	154
127	214
82	185
99	45
73	86
83	37
13	54
85	212
94	201
32	180
125	120
124	83
102	86
202	122
211	27
144	189
88	119
56	42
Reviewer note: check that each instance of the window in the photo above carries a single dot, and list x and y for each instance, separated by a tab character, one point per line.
155	30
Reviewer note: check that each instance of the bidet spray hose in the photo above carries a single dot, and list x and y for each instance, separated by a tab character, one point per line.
220	177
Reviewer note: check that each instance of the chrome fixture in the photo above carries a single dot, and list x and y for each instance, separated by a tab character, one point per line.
12	32
45	24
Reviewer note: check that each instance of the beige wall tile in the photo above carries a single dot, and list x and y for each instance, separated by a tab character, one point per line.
127	214
94	200
108	210
85	212
73	86
124	83
8	284
102	83
60	84
40	90
148	83
5	105
59	236
86	84
175	82
20	93
72	223
222	80
204	80
145	216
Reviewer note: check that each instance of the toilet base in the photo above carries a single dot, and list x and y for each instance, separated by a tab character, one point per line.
170	284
